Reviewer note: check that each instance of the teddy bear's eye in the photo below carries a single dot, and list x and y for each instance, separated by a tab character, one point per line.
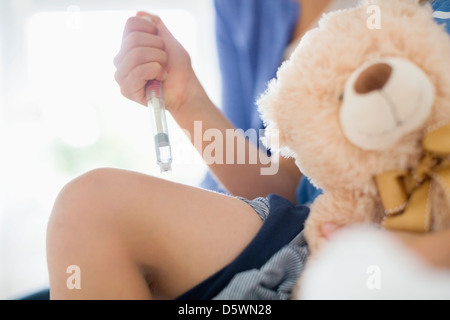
341	97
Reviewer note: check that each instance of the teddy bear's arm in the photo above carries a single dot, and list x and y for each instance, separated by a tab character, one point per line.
341	209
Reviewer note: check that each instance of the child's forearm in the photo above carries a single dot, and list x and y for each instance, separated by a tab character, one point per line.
435	247
209	131
432	247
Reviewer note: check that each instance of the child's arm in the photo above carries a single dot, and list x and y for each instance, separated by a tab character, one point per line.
149	51
432	247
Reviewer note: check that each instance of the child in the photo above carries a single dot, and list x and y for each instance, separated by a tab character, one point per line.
133	236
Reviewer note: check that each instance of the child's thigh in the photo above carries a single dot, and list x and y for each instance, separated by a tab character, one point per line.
177	234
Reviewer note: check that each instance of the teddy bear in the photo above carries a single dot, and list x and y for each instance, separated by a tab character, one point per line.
363	105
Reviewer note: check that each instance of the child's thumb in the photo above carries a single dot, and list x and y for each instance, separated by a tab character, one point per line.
162	29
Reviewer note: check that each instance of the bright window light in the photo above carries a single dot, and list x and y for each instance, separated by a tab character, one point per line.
71	118
71	79
70	65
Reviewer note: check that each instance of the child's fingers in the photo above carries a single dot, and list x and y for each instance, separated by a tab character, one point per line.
136	40
328	229
137	24
139	56
134	83
142	56
149	17
139	76
162	30
138	32
142	39
145	15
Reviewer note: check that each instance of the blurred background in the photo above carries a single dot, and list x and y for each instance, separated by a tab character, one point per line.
61	112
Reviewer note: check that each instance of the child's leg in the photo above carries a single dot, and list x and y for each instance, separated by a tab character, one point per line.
135	236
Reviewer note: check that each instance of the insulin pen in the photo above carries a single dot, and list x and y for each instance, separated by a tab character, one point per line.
155	103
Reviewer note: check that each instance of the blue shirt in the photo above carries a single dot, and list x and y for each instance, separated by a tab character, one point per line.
441	14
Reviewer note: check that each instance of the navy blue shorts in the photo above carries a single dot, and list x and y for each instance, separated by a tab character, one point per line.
284	223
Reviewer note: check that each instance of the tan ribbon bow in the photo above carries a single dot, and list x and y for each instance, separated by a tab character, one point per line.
406	195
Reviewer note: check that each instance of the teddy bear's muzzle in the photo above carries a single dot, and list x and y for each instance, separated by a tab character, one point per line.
384	100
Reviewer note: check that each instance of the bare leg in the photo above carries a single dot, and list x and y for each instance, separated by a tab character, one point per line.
135	236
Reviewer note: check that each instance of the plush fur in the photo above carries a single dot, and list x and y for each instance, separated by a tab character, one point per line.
305	99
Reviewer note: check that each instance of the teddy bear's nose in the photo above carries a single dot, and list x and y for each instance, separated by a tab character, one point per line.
373	78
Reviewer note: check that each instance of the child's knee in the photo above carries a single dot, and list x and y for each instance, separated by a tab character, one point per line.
79	204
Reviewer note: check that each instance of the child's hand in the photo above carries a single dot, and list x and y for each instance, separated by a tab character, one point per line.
149	51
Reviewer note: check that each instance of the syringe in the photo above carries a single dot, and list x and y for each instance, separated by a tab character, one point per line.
155	103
